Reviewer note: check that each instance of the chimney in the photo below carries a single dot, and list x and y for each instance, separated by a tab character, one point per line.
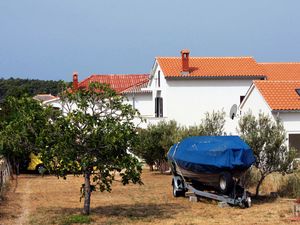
185	55
75	80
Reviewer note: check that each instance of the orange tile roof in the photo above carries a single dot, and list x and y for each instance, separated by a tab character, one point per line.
138	88
118	82
211	67
280	95
282	71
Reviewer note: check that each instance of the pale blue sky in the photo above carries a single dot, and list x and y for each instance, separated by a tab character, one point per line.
49	39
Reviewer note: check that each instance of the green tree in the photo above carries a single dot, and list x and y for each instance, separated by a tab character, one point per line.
266	137
211	125
154	142
19	87
92	139
22	121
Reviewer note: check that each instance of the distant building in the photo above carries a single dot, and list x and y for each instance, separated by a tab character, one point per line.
44	97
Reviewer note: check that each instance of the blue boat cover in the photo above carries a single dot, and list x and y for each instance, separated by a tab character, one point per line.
227	152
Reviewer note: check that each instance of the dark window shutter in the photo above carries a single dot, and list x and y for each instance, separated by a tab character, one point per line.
161	107
158	107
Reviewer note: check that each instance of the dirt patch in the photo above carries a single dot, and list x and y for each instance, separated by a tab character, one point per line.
48	200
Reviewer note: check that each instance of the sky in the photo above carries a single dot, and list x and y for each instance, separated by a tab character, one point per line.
50	39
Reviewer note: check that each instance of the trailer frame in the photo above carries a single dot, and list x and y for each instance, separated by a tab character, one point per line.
180	187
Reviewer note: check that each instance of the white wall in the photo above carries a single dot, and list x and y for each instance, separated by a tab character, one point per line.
291	121
142	102
255	103
188	100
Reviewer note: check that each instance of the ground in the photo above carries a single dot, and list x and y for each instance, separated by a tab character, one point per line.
33	199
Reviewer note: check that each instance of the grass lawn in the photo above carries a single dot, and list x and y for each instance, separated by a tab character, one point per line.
33	199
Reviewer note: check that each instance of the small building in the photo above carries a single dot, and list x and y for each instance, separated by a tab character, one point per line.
276	99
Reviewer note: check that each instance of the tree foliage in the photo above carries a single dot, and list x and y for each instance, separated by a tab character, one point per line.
22	121
266	137
211	125
19	87
155	141
92	139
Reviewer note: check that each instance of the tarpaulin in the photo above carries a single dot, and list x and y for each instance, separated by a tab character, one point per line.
204	152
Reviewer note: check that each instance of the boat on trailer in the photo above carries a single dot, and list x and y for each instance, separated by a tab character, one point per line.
210	163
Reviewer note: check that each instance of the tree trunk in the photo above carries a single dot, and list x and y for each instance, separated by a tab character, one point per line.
151	167
258	185
87	193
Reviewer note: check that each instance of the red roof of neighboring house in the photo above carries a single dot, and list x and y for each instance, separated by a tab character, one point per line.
282	71
280	95
211	67
119	82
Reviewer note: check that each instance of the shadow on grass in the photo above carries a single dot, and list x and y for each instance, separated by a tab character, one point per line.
259	200
136	211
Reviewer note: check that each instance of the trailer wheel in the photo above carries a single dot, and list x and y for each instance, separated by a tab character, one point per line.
225	182
41	169
176	192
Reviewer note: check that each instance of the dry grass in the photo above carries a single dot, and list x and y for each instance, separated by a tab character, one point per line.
48	200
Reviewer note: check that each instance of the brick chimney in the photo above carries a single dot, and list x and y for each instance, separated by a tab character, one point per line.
75	80
185	55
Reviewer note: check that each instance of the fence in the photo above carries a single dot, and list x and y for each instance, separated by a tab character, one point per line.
5	172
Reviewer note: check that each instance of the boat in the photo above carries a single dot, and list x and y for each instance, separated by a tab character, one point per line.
211	161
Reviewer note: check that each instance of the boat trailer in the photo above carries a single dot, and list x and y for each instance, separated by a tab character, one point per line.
180	187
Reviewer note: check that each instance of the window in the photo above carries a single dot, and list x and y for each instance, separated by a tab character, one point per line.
242	98
158	107
158	79
294	141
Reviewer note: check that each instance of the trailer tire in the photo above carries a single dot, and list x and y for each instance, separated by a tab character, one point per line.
40	169
177	193
225	183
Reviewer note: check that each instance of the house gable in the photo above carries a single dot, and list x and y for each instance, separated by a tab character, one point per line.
280	95
254	102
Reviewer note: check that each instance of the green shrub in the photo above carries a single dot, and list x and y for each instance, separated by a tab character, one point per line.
250	178
290	186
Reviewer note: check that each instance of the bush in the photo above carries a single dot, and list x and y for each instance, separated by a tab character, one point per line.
290	186
250	178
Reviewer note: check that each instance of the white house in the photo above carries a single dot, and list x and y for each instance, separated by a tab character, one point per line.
276	99
184	88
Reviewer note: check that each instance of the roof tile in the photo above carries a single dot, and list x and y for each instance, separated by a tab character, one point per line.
211	66
118	82
282	71
280	95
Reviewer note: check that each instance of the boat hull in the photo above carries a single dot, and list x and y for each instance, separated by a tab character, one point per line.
204	160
